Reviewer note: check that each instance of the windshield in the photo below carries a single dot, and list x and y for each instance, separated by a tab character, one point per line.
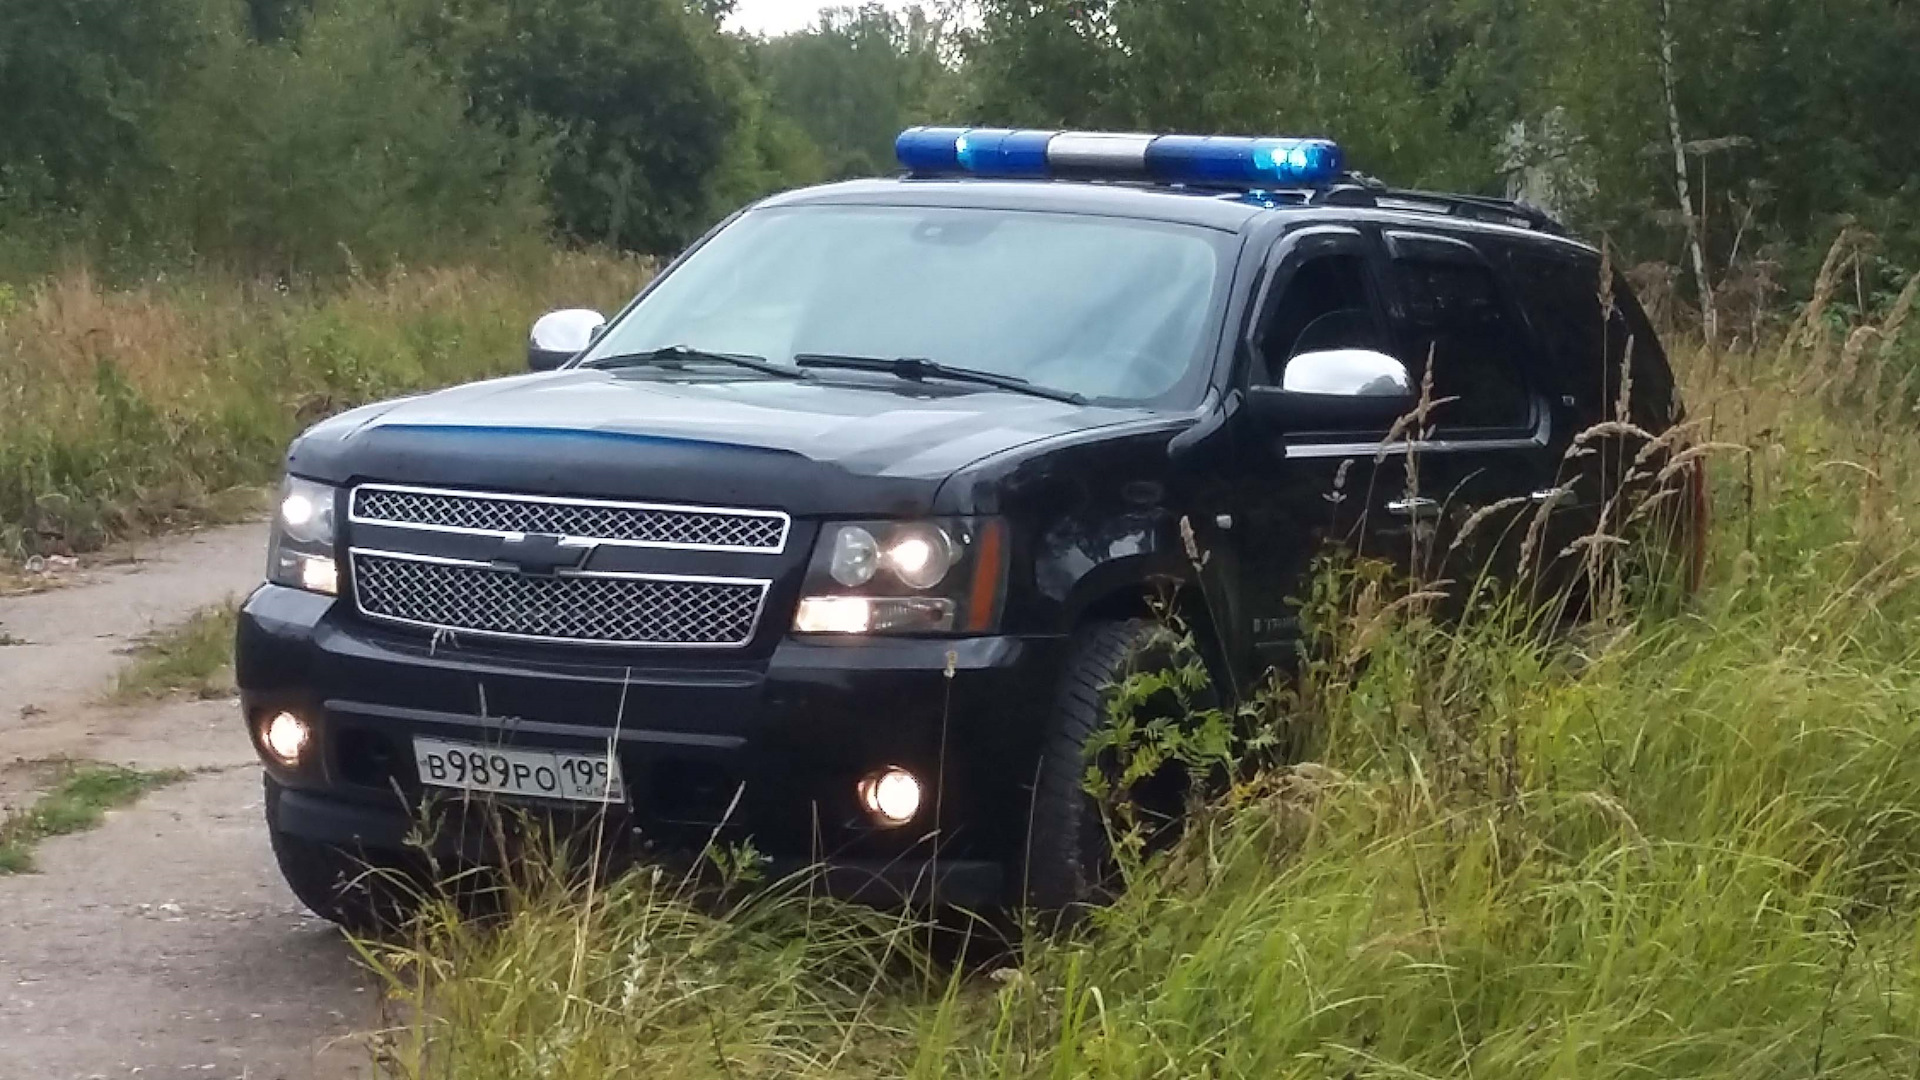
1107	308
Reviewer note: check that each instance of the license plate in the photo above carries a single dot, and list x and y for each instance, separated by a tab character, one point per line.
501	770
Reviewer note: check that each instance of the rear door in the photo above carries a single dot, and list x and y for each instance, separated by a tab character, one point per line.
1476	474
1599	360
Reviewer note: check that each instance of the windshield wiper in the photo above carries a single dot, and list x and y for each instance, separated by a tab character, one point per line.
681	355
919	370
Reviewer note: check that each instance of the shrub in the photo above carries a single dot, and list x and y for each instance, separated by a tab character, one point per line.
345	152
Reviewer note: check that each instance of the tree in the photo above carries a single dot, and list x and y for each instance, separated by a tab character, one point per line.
646	99
80	80
852	82
346	150
1390	79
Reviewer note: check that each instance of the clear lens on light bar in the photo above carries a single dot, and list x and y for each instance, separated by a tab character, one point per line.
1221	160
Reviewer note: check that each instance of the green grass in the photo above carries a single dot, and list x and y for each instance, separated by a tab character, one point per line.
194	658
78	801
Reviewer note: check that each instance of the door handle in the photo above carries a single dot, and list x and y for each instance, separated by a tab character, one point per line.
1546	495
1418	506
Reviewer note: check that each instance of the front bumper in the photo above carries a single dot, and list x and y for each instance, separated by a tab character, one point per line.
715	749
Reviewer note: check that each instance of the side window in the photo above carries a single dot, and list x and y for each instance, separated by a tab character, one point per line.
1653	406
1585	346
1457	319
1324	304
1562	297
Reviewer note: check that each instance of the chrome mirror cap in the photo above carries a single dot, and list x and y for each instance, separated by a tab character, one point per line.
1351	373
559	336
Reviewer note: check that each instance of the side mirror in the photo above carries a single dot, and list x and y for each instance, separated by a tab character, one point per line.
1337	389
559	336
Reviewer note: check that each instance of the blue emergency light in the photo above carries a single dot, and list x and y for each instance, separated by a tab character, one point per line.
1203	160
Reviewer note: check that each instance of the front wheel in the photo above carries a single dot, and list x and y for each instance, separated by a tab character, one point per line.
364	892
1069	858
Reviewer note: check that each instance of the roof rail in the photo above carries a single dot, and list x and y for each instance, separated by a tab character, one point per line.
1355	189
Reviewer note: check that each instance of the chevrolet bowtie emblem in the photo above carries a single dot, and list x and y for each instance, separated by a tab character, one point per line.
541	554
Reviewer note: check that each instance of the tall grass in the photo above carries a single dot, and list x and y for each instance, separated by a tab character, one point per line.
1681	841
124	408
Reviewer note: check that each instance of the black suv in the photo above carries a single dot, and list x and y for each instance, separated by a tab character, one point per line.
833	540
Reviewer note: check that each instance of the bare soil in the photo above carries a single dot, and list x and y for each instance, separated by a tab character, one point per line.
162	944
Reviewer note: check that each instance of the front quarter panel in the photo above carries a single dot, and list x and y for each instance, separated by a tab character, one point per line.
1095	519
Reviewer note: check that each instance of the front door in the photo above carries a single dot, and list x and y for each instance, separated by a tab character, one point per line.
1296	493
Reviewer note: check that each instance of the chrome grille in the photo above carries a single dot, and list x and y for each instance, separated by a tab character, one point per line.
640	524
592	609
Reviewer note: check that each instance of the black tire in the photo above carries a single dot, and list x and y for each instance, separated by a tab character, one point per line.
1069	861
367	893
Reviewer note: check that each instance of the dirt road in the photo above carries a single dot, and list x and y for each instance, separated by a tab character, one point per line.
162	944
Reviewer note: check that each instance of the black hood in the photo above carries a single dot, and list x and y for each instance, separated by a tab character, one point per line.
831	445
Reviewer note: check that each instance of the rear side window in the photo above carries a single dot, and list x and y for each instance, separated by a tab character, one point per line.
1584	346
1456	318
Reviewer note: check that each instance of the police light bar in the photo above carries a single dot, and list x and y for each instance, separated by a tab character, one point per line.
1202	160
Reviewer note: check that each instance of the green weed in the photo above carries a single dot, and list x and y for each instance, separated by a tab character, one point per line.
193	658
78	801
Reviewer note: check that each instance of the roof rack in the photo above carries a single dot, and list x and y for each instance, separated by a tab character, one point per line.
1354	189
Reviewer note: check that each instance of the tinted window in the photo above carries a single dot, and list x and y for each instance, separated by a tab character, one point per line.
1456	317
1324	304
1584	348
1107	307
1654	405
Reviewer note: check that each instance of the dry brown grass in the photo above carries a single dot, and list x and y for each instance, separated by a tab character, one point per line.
130	408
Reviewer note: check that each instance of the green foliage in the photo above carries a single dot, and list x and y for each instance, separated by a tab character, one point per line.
646	98
1395	82
81	796
853	82
193	658
342	153
1428	95
276	20
81	80
189	133
1763	71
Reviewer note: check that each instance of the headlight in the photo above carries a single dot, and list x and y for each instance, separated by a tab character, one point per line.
301	552
905	577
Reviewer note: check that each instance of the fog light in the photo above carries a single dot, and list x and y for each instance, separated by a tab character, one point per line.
891	795
285	737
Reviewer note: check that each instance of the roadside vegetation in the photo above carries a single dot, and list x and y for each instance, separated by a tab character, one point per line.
194	658
78	799
129	409
1682	839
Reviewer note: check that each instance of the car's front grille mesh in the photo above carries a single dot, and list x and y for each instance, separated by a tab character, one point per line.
584	609
720	530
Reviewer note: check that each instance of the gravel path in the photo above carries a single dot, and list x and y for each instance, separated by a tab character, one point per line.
162	944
